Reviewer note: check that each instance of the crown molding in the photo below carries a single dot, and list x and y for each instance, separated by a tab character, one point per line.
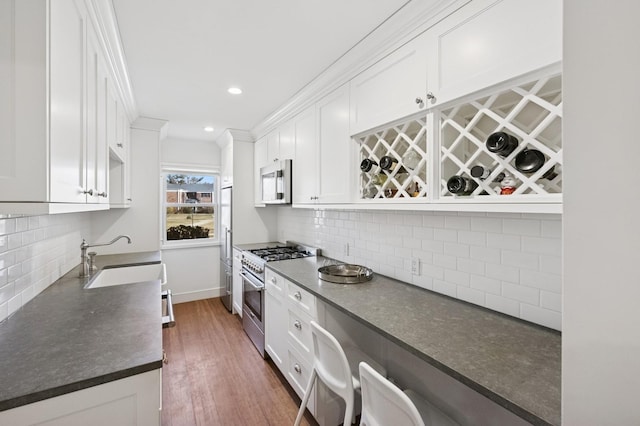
102	15
414	18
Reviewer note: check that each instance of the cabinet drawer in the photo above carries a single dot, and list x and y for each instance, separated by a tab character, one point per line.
298	375
274	282
299	330
301	299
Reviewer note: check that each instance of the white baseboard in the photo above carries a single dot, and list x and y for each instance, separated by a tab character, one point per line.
190	296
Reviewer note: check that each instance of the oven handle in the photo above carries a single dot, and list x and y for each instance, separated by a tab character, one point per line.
254	283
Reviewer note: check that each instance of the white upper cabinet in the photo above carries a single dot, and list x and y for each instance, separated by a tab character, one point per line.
305	166
54	109
273	146
287	147
392	88
336	148
260	159
96	144
66	78
488	42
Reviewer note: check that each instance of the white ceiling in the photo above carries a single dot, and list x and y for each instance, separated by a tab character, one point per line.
183	55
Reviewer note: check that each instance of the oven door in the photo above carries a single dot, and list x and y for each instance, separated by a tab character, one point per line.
253	299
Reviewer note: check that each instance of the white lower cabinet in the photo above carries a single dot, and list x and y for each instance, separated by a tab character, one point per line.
135	400
289	311
275	328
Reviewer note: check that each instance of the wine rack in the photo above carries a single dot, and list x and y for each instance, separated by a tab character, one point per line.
396	141
532	112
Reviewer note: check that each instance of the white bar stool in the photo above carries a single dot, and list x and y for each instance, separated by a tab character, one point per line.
384	404
337	367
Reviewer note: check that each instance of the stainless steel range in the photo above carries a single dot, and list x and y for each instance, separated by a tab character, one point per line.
253	264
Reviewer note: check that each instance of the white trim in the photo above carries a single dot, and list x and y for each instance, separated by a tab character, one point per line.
414	18
183	244
190	296
189	168
103	17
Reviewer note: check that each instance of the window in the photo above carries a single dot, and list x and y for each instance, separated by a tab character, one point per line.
189	207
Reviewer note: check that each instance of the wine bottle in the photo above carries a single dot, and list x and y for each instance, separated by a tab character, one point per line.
367	164
411	159
482	173
530	161
388	163
379	179
502	143
461	185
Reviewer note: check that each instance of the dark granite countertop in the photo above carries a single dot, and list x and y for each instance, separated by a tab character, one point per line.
69	338
514	363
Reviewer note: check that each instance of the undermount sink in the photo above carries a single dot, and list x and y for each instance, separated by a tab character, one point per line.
129	275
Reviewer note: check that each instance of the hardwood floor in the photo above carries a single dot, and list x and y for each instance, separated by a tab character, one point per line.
215	376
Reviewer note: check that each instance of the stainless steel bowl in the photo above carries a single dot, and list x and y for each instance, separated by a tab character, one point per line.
345	274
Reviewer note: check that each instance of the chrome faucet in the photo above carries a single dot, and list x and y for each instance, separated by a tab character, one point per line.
84	258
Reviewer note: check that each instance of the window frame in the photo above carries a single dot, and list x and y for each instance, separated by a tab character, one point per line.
215	203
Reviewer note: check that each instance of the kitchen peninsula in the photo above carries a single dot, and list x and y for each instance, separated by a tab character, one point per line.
513	363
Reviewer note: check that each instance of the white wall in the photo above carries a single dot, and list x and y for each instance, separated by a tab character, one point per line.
34	252
141	221
190	152
250	224
192	273
601	339
510	263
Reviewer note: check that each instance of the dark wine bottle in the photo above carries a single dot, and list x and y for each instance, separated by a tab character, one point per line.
367	164
482	173
461	185
388	163
502	143
530	161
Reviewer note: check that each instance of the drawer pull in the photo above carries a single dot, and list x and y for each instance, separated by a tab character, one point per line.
297	295
297	369
297	325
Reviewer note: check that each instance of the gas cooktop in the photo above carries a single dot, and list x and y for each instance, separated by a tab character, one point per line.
281	253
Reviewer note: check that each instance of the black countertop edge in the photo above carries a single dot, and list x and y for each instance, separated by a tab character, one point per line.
72	387
498	399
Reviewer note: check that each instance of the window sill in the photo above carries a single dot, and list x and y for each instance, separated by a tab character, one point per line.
190	244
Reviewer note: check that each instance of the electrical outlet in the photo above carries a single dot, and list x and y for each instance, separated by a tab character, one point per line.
415	266
346	249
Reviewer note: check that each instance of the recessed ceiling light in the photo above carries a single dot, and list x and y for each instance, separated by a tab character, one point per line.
208	129
234	90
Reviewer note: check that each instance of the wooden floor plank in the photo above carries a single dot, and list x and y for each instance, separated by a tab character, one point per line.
215	376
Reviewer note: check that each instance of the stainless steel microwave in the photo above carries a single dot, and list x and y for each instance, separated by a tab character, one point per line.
275	182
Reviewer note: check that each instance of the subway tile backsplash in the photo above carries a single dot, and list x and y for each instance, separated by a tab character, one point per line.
507	262
34	252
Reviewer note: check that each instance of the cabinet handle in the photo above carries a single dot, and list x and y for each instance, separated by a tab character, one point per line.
275	159
297	295
419	101
273	280
120	145
297	369
128	199
431	96
88	192
102	194
297	325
